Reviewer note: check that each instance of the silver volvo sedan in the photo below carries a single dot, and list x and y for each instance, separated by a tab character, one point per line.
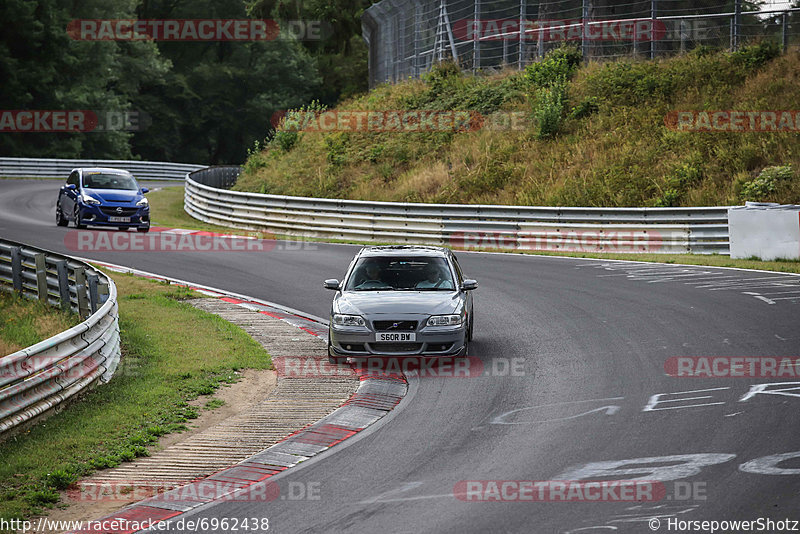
401	301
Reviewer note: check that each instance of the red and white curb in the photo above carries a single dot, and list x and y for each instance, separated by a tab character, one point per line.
377	395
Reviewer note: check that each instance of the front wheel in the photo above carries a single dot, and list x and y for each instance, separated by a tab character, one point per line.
335	360
145	229
77	216
60	219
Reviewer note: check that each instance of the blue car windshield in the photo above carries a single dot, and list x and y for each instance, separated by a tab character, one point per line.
109	181
414	273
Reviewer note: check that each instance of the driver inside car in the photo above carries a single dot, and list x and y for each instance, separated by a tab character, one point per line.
373	278
433	280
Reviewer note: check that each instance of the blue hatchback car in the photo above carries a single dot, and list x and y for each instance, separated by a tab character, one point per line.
103	197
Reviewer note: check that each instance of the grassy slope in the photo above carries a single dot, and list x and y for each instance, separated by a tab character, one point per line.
172	353
620	155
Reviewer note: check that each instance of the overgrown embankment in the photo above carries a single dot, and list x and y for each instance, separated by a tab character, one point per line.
595	135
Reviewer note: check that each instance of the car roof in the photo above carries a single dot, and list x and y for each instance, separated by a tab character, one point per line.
106	170
404	250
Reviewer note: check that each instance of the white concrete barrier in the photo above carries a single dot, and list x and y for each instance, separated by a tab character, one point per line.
766	231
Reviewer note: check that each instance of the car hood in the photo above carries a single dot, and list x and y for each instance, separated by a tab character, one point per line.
113	195
397	302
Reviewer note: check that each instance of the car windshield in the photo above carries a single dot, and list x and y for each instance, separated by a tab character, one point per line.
109	181
401	274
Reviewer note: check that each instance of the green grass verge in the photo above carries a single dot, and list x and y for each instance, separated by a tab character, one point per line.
172	353
25	322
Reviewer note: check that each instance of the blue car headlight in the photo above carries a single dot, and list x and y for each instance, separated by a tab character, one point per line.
86	199
143	202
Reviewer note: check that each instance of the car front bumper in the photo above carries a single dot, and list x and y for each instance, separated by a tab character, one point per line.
95	215
360	342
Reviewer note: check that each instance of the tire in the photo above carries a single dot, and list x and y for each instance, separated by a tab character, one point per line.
122	228
60	219
145	230
77	216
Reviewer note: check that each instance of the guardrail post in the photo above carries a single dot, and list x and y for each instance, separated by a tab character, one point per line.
41	277
16	268
80	288
63	285
94	298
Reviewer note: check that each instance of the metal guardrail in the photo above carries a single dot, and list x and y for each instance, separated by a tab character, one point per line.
60	168
35	380
666	230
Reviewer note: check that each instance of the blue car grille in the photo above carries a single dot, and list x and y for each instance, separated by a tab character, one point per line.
112	211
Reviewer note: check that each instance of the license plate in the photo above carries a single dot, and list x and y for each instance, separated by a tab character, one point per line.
119	219
395	336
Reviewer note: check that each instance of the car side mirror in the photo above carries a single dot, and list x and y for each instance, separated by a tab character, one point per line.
71	187
145	190
332	283
469	285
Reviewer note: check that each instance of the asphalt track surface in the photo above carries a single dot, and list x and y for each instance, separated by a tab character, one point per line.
589	340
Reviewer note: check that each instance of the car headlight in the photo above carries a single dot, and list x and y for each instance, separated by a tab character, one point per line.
143	202
348	320
444	320
86	199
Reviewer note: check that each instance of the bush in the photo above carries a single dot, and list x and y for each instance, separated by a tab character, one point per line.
766	184
287	133
755	56
549	110
557	66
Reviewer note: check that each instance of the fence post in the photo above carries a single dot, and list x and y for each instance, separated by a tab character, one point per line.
476	43
785	31
41	277
80	288
16	268
63	284
683	35
653	17
737	20
585	29
417	25
94	297
522	13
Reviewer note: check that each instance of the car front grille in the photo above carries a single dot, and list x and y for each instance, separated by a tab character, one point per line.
389	326
395	347
112	212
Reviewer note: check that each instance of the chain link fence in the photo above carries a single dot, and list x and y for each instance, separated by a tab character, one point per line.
406	37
